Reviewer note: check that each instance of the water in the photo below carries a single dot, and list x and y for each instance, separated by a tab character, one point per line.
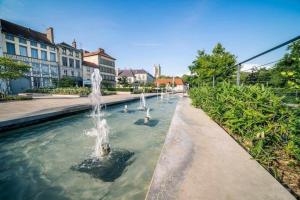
36	162
100	129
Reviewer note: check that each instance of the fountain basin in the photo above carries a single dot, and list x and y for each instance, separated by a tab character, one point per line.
37	161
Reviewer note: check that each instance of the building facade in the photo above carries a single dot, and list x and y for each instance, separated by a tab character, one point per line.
136	76
88	68
70	62
176	84
33	48
157	71
106	64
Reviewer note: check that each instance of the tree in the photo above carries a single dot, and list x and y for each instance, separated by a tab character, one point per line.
286	73
66	82
217	66
11	70
123	81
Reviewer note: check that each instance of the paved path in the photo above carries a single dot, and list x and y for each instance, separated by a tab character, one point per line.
200	160
19	113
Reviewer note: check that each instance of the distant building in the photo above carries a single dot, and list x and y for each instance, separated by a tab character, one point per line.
175	83
136	75
157	71
70	61
106	64
33	48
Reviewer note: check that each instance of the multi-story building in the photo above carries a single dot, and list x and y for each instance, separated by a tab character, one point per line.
70	61
33	48
157	71
106	65
136	75
88	69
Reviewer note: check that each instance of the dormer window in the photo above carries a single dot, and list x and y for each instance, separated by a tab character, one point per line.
10	37
33	43
22	40
43	46
64	51
70	53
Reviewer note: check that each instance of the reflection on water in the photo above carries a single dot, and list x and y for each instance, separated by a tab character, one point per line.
36	162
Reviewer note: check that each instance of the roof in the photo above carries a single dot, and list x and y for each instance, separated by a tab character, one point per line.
89	64
178	81
15	29
67	45
132	72
99	52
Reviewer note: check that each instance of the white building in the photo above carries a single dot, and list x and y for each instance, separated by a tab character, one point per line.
88	69
33	48
136	75
106	64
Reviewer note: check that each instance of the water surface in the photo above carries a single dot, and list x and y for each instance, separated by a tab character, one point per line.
36	162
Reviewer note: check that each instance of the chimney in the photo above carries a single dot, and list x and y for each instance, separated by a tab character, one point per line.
101	50
74	44
50	34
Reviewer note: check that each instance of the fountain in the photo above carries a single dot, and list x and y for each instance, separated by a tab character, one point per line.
147	118
161	95
101	129
125	109
142	102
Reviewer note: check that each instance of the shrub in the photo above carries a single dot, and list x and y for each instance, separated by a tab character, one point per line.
15	98
255	116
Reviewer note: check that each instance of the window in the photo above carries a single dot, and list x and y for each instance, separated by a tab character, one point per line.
36	68
54	70
52	48
64	61
10	47
88	69
22	40
34	53
77	54
10	37
72	73
43	46
70	53
65	72
77	64
45	69
71	62
107	62
64	51
44	55
33	43
52	56
23	50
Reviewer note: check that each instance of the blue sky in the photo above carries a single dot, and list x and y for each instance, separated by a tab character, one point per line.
140	33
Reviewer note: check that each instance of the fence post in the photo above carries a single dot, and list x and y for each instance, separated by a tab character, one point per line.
238	75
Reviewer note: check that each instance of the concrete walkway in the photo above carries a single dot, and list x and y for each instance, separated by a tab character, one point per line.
18	113
200	160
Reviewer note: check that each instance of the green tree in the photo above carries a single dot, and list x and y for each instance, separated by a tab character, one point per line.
123	81
217	66
11	70
286	73
66	82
